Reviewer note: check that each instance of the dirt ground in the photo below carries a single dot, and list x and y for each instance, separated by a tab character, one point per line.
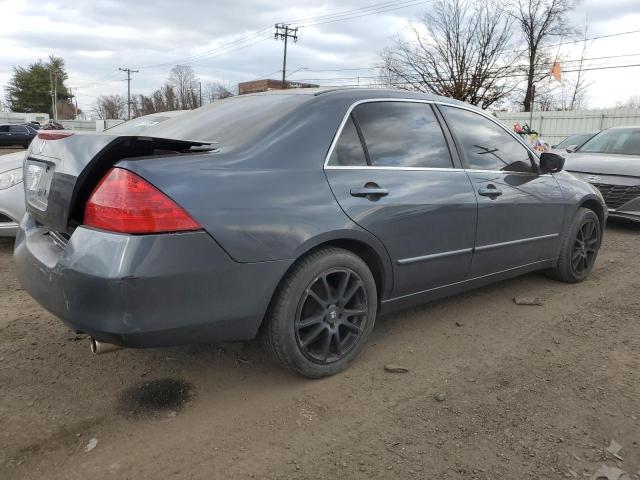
5	150
494	391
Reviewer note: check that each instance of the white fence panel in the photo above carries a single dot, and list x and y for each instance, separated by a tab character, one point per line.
19	117
555	126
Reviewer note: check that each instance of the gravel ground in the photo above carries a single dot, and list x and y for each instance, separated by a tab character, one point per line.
494	390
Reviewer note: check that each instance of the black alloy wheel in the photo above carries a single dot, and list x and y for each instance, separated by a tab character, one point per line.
331	315
323	313
585	247
579	248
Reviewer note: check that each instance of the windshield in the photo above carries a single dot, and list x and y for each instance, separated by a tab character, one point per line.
622	141
577	139
137	125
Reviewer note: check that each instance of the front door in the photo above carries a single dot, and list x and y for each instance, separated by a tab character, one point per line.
520	210
5	135
393	174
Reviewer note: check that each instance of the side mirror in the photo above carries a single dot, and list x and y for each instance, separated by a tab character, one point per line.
571	148
551	162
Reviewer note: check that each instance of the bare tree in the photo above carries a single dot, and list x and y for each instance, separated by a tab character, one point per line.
110	107
216	91
631	102
579	84
183	79
539	21
459	50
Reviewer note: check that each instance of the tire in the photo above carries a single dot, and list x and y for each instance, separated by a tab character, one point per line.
322	314
579	248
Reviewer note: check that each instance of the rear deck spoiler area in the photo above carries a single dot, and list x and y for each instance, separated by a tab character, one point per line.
69	168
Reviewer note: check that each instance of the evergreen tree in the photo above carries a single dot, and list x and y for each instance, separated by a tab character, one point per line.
30	88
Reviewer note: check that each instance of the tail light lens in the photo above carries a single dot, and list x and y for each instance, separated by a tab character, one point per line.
54	135
124	202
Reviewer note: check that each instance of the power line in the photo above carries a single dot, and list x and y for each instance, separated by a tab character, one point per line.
413	3
372	9
418	78
215	51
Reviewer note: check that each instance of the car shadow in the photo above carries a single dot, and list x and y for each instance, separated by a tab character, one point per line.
621	225
6	245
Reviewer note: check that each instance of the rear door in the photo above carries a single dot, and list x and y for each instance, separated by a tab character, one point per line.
520	210
392	172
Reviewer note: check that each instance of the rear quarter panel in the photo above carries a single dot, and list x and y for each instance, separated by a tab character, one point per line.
267	201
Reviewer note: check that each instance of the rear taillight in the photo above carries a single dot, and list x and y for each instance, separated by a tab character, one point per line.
124	202
53	135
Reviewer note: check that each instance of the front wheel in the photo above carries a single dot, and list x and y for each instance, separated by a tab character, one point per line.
579	248
322	314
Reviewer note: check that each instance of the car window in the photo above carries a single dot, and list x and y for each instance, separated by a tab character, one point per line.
577	139
485	145
348	150
403	134
18	129
623	141
4	128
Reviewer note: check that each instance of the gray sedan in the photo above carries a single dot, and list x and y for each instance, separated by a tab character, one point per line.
611	162
298	216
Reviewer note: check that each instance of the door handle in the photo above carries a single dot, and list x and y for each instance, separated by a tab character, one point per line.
489	191
369	192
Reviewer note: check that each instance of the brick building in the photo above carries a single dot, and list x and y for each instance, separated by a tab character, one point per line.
265	85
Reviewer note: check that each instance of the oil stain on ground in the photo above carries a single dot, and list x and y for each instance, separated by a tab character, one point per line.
163	397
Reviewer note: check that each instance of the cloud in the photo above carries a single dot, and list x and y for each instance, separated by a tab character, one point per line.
97	37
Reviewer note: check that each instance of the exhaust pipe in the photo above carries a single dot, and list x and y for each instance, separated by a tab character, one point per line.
98	348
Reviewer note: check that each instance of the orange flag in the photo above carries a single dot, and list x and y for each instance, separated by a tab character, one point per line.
556	71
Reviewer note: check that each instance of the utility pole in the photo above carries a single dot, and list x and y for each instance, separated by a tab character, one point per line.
75	100
200	87
53	78
129	72
53	98
284	32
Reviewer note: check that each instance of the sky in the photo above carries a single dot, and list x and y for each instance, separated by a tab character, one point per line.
232	41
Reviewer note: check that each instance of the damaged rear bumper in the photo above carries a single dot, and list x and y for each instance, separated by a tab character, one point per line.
146	290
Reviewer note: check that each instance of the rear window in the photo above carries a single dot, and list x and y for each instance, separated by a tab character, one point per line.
622	141
231	121
137	125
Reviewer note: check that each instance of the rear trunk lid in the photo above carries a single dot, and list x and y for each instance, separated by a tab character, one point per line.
60	174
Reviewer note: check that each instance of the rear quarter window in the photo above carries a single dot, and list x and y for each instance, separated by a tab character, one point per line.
348	151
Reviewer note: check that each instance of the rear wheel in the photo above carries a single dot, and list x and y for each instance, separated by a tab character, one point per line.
323	313
579	248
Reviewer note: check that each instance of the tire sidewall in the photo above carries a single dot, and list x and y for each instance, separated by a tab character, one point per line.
582	216
298	284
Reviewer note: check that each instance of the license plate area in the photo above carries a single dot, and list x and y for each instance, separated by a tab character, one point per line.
38	176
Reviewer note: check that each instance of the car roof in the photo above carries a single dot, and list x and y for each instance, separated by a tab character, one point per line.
358	93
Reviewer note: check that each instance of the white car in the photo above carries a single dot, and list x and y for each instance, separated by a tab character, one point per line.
12	204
